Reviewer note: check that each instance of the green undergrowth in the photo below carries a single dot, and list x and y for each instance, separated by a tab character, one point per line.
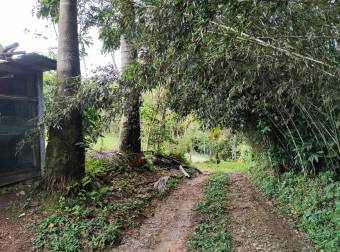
223	166
211	232
313	201
105	204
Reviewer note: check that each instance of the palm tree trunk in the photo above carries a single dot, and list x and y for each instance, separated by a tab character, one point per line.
65	155
129	135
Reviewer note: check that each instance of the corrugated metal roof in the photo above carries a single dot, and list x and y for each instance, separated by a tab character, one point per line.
27	63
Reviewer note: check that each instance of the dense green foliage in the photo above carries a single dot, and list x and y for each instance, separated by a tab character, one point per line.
165	130
211	232
98	97
268	68
313	201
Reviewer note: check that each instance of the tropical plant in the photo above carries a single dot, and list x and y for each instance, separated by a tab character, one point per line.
267	68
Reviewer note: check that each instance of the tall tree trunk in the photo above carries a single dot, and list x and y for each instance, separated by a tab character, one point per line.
129	135
65	155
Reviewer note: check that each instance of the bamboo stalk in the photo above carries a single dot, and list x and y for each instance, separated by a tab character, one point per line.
244	36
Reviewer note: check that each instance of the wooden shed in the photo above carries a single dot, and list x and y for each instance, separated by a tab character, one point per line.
21	104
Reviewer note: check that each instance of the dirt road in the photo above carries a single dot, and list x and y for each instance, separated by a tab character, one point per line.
173	221
254	226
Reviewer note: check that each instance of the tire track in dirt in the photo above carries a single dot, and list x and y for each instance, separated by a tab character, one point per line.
173	221
254	226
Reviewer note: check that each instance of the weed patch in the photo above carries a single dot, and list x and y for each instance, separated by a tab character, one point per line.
211	233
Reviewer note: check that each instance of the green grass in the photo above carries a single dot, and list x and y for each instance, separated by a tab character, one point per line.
224	166
313	201
211	233
108	142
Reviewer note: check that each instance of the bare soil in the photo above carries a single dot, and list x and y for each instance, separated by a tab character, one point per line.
172	222
15	232
253	224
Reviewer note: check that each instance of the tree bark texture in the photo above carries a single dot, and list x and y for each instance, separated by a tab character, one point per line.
65	154
129	135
